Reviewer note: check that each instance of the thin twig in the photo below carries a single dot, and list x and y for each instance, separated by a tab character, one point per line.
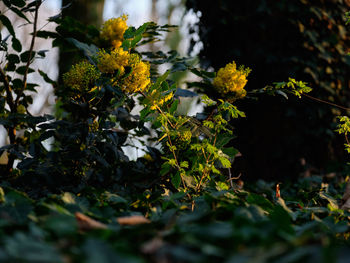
347	139
233	178
230	177
205	168
160	111
326	102
38	3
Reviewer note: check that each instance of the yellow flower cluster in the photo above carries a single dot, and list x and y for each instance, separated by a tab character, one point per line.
159	101
139	77
118	59
112	30
231	80
81	76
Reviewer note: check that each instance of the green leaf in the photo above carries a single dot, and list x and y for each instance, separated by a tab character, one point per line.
282	219
46	34
165	169
173	106
19	13
332	202
46	77
203	74
185	93
42	53
13	58
230	151
89	51
131	32
17	84
7	23
223	139
16	44
259	200
22	69
7	3
18	3
30	7
96	250
136	40
114	198
31	248
225	162
25	56
160	80
176	180
61	225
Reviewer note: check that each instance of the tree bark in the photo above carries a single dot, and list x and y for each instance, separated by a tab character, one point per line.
88	12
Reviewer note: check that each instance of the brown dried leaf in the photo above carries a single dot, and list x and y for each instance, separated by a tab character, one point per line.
133	220
152	246
87	223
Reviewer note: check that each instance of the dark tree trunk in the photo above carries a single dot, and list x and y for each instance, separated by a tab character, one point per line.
88	12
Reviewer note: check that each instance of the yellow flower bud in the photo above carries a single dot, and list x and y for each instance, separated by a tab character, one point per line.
81	76
112	30
231	81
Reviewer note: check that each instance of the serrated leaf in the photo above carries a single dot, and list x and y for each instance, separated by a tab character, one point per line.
225	162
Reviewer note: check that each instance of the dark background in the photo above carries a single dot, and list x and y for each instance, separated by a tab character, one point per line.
305	40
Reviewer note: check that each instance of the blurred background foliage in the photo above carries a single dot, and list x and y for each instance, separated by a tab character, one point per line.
302	39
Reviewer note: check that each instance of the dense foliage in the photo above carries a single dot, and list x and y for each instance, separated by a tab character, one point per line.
70	193
303	39
226	226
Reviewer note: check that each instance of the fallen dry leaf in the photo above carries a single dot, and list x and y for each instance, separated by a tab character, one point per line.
87	223
152	246
133	220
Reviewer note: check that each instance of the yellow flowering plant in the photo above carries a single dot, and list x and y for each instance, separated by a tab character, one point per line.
96	117
81	78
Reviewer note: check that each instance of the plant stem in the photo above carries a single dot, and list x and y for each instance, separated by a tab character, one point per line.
9	97
20	93
11	131
326	102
